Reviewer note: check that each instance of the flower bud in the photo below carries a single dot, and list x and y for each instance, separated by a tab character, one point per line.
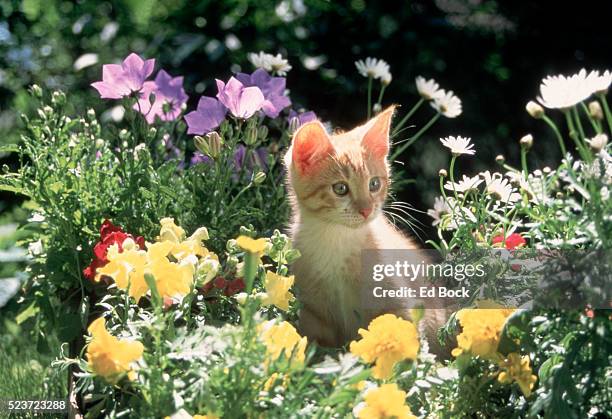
151	98
48	111
250	136
442	173
535	110
214	144
124	135
259	178
58	98
500	159
241	298
526	142
152	131
36	91
262	132
546	170
595	110
206	271
598	142
294	124
99	143
376	108
91	114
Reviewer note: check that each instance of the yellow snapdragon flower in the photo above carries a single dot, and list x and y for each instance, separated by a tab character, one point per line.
277	290
108	356
388	340
251	245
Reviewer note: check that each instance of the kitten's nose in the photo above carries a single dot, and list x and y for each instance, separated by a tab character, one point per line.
365	212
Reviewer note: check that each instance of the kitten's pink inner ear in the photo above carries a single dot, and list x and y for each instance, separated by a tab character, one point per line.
311	145
376	140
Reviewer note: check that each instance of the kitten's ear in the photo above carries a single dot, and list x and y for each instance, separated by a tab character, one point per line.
376	139
311	145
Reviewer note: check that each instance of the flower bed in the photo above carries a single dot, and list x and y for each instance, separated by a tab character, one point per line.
157	256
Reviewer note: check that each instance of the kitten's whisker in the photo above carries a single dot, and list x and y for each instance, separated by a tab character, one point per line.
413	227
406	205
407	214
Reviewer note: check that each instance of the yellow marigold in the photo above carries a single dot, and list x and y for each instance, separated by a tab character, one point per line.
481	331
387	341
251	245
277	290
108	356
126	269
283	338
384	402
517	368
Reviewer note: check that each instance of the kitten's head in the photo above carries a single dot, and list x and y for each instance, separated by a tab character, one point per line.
344	178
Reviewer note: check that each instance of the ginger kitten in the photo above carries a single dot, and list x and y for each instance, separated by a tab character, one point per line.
338	185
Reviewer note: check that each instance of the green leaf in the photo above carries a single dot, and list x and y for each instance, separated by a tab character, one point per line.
9	148
30	311
150	280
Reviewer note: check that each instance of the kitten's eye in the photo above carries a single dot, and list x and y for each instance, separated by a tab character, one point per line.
340	188
375	184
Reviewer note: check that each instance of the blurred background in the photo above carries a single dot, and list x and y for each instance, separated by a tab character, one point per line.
492	54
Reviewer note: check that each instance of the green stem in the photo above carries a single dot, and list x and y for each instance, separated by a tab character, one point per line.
369	97
407	116
572	132
524	162
595	124
604	102
552	125
578	122
380	95
412	139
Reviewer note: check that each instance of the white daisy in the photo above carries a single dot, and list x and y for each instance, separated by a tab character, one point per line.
560	92
440	208
375	68
271	63
599	83
428	89
464	185
458	145
447	104
500	189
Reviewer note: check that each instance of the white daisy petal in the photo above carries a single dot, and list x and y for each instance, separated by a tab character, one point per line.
465	184
447	104
458	145
374	68
560	92
271	63
428	89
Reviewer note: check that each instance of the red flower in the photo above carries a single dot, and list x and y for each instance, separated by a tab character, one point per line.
513	241
220	282
234	287
110	234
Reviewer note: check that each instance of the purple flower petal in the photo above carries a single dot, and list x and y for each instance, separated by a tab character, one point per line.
302	117
122	80
169	98
273	89
208	116
242	102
